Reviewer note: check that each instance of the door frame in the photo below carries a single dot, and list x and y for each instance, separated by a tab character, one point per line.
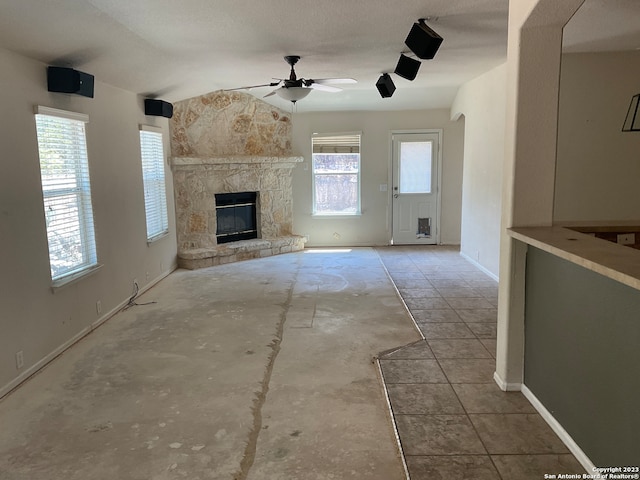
391	174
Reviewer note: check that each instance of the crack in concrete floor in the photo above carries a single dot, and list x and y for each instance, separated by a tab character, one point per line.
261	396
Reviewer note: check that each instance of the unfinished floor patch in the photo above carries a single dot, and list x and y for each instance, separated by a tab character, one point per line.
184	387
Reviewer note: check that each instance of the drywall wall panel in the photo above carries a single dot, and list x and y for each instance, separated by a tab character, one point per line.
373	227
597	164
482	101
581	355
35	320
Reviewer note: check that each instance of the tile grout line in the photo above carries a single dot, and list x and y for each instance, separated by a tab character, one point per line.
393	421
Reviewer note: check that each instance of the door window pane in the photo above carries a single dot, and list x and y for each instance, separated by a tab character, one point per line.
415	167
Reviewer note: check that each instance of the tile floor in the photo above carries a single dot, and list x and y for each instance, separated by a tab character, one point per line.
452	419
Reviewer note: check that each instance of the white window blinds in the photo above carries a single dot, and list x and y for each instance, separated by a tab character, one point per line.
155	196
347	143
64	171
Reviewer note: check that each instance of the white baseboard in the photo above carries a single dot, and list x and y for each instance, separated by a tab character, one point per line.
478	266
505	386
559	430
5	389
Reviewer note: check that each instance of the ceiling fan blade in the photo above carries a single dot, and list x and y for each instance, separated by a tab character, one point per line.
273	92
272	84
324	88
326	81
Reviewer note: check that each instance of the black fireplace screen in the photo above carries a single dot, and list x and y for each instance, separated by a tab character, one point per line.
236	216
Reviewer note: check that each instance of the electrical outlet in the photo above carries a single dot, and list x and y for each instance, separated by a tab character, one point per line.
627	238
98	307
146	276
19	360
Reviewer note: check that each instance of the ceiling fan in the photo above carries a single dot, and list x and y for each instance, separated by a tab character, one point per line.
294	88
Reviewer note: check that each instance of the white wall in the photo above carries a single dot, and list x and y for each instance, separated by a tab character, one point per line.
34	319
598	166
482	101
373	227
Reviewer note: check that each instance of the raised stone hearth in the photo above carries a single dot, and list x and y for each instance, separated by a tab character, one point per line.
237	251
231	142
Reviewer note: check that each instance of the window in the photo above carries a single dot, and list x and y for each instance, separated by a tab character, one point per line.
336	174
155	195
64	172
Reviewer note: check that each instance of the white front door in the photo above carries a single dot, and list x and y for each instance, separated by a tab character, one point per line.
415	188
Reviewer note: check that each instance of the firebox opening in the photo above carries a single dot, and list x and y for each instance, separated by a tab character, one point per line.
236	216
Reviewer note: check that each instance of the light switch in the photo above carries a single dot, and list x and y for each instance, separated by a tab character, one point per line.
383	187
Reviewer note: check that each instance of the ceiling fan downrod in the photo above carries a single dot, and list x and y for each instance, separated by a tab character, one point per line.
292	60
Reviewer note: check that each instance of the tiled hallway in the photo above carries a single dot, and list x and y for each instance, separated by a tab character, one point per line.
452	419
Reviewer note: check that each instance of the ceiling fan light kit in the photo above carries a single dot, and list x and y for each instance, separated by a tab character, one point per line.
293	94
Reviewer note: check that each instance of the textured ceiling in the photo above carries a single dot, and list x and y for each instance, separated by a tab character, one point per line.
179	49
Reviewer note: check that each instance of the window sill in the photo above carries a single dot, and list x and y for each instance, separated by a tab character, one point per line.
155	238
67	280
334	216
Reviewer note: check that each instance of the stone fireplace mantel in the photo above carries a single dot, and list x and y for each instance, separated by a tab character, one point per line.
233	159
198	179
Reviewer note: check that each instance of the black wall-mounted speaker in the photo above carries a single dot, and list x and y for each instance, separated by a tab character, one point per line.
407	67
158	108
385	85
68	80
423	41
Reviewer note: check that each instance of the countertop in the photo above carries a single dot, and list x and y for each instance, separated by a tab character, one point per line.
609	259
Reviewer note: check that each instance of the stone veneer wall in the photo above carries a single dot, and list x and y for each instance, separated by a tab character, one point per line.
227	124
226	142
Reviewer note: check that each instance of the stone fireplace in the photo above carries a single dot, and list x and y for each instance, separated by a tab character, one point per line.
231	142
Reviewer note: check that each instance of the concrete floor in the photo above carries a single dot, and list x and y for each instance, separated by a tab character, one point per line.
255	370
